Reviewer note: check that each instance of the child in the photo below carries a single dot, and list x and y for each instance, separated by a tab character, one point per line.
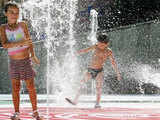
95	69
16	39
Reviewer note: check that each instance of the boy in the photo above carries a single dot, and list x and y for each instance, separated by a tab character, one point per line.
95	69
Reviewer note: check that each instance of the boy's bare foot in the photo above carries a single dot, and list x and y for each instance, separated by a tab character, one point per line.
70	101
97	106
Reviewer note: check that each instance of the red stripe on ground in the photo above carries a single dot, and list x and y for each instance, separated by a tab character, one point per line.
86	114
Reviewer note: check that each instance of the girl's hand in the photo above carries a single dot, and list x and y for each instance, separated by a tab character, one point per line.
26	42
35	60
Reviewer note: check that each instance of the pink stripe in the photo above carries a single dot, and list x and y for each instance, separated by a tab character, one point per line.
16	51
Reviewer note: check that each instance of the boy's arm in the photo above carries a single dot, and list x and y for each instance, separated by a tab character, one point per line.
86	50
26	31
4	42
114	65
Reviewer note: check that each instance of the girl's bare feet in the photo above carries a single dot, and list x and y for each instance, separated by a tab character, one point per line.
15	116
36	116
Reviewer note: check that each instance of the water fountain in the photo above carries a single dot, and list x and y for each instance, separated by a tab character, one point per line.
94	26
56	19
149	75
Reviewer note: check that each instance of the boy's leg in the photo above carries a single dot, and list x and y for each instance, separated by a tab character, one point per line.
99	82
16	93
32	93
86	78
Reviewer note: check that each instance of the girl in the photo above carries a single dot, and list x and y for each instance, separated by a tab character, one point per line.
16	39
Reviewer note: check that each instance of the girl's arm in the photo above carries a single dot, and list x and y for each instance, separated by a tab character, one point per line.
6	44
27	35
86	50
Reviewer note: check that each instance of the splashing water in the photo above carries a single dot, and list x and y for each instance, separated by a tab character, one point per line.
149	75
56	19
94	26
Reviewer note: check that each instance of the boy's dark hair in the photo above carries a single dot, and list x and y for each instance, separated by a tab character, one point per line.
10	5
103	39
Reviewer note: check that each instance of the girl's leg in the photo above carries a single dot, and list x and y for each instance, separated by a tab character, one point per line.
86	78
33	98
99	82
32	93
16	93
